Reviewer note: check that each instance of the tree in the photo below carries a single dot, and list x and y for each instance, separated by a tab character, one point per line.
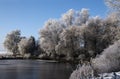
99	33
49	36
74	18
31	45
68	17
54	31
11	41
81	17
38	49
76	29
27	46
111	30
113	4
69	43
22	46
92	35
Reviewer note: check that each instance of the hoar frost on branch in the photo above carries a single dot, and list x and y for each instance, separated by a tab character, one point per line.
69	43
113	4
49	36
63	32
27	45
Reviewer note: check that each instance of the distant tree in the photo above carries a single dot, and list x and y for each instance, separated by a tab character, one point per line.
22	46
11	41
38	49
32	45
27	46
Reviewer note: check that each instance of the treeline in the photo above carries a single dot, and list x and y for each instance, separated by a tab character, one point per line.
20	45
74	36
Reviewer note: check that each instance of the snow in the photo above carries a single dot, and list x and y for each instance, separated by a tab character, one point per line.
2	52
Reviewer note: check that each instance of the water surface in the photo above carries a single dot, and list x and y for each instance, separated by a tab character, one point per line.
33	69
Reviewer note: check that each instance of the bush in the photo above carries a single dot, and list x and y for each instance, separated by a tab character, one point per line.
82	72
109	60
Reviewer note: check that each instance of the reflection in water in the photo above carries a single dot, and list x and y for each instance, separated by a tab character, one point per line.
33	69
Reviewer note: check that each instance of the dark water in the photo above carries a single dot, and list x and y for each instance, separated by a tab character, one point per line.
33	69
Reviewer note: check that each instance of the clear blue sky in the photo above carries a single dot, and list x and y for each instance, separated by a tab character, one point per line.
29	15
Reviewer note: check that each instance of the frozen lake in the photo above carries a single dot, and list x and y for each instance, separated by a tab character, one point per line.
33	69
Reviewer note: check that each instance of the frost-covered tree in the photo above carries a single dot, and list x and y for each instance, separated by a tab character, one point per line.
22	46
111	30
81	17
69	43
111	23
92	35
56	32
113	4
99	33
32	45
114	7
68	17
38	49
75	18
49	36
27	46
11	41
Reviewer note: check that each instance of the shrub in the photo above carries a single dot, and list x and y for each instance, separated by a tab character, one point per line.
83	72
109	60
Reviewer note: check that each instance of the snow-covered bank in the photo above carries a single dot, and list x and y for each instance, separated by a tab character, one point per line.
113	75
86	71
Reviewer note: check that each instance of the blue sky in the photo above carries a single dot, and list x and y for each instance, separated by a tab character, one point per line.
29	15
